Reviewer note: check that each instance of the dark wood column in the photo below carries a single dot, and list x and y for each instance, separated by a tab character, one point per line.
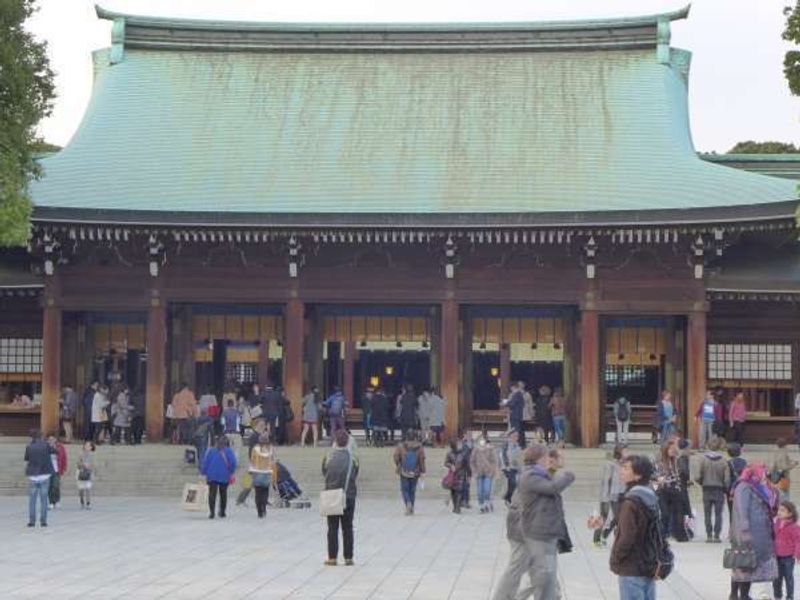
448	361
590	378
570	377
293	361
695	367
156	369
51	363
349	385
505	369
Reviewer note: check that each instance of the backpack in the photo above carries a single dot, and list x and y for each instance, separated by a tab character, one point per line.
623	411
656	555
410	467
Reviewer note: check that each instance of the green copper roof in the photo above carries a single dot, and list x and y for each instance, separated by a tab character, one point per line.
594	123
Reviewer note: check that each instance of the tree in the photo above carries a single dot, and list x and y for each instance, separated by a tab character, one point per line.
751	147
26	95
791	61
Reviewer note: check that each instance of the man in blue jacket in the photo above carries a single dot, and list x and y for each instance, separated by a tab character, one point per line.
39	470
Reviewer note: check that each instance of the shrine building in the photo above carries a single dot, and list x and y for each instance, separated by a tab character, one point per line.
450	205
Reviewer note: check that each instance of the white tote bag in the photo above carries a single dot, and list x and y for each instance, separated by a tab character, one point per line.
332	502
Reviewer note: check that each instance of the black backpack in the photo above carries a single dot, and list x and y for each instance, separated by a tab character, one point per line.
657	557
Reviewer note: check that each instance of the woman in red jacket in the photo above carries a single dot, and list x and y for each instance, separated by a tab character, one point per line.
59	458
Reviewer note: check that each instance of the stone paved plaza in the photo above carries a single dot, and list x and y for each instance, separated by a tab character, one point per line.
149	548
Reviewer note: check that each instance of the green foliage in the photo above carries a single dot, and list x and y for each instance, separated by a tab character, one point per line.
751	147
791	61
26	94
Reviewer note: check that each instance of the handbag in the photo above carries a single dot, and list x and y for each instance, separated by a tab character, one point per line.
739	556
332	502
194	497
449	480
255	411
84	474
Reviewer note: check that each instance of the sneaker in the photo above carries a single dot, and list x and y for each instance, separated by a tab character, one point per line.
43	524
211	516
348	562
31	524
709	539
331	562
717	540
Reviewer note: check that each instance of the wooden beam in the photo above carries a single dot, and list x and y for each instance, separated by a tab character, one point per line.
695	368
448	361
294	314
590	378
156	369
51	365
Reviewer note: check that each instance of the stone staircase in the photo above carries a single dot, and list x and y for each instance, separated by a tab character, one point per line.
158	470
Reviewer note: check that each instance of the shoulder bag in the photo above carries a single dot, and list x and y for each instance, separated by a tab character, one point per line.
739	556
332	502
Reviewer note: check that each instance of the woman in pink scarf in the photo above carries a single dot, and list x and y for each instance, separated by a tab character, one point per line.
755	503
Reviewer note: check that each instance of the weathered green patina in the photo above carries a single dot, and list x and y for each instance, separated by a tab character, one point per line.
521	118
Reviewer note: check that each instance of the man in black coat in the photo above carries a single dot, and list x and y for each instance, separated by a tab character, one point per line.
39	470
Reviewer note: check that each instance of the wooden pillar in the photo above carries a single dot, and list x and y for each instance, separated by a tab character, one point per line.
505	369
314	351
51	365
569	383
695	368
590	378
156	369
349	385
448	360
293	319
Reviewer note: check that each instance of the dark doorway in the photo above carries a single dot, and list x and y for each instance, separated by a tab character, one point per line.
539	373
391	369
638	383
485	377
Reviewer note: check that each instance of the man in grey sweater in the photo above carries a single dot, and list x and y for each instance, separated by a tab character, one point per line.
715	478
535	525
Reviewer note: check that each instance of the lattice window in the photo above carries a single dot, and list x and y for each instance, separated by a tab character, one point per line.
758	362
20	355
625	376
238	373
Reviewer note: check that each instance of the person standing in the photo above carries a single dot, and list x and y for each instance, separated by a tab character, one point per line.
184	407
781	467
736	464
262	469
542	518
259	428
715	479
408	405
670	493
558	410
137	420
59	458
516	406
511	464
622	418
219	467
638	508
708	414
457	462
99	412
424	411
543	413
380	418
755	504
69	410
335	407
121	412
437	408
366	414
611	493
666	417
787	548
409	460
483	464
38	470
86	405
340	470
84	473
271	408
738	417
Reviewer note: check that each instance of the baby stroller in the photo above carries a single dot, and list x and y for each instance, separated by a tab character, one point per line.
290	493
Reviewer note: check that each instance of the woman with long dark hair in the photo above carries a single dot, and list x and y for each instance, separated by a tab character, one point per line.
457	462
669	488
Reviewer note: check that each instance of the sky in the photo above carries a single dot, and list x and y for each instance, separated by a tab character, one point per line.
736	91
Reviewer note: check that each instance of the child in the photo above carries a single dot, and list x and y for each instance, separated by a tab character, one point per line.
787	548
84	474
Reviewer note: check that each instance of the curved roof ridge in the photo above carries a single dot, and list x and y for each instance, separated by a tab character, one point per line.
192	23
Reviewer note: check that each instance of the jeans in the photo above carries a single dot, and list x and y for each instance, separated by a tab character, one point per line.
408	488
519	427
465	494
559	423
713	499
40	489
785	573
54	489
337	423
511	483
518	564
666	431
622	431
544	571
738	432
484	485
706	433
346	521
213	486
637	588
